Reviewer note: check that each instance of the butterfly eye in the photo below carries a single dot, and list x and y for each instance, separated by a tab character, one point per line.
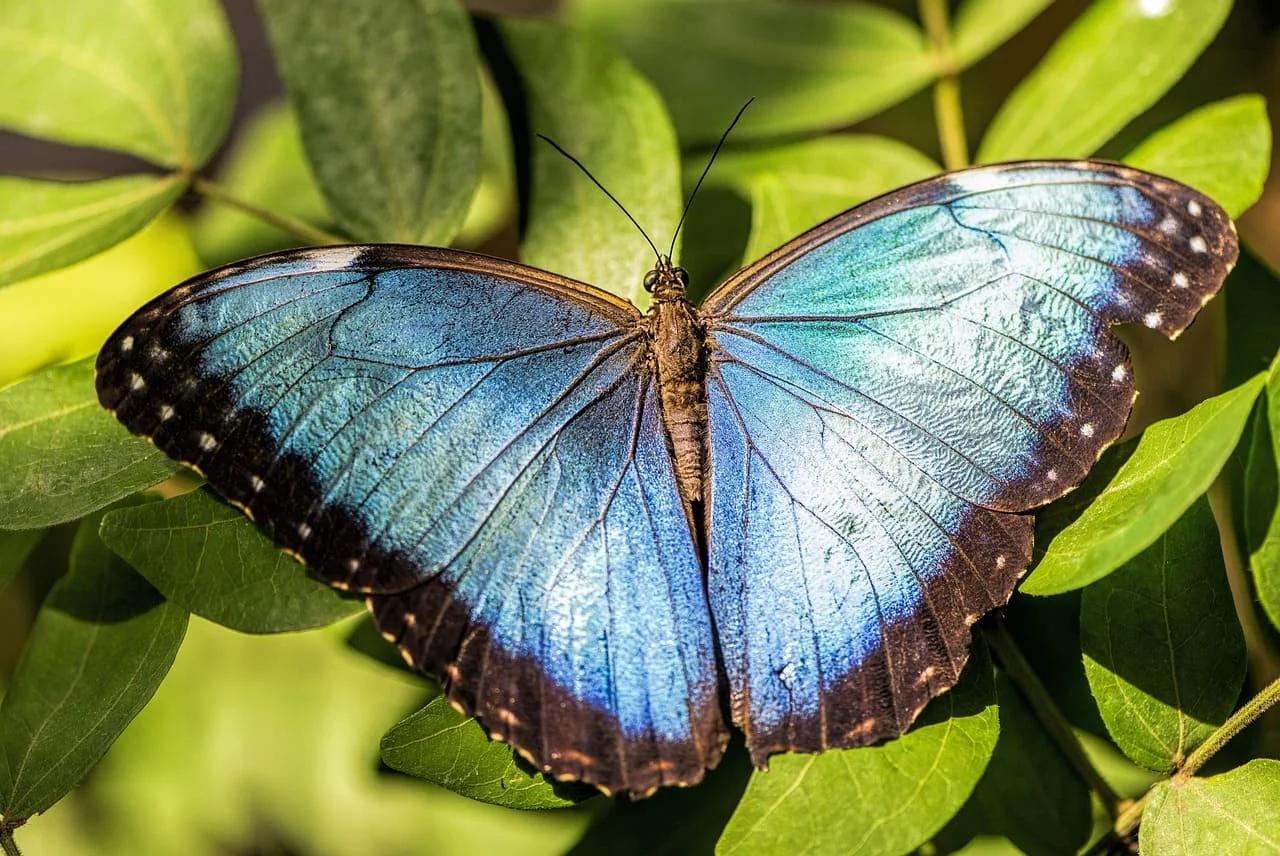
682	275
650	280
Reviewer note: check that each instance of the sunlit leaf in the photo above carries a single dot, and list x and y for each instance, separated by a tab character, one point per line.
102	643
45	225
388	97
595	105
445	747
1234	812
64	456
885	799
156	78
980	26
1113	63
1163	650
207	557
1262	491
1223	149
1173	464
810	66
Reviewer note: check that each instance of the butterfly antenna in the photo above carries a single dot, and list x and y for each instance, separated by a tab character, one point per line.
597	183
706	170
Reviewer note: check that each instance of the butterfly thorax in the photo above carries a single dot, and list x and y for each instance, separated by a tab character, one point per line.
679	349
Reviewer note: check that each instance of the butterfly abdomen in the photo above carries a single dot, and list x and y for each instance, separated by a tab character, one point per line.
679	348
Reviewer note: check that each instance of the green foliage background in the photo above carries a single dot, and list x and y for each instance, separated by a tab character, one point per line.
153	701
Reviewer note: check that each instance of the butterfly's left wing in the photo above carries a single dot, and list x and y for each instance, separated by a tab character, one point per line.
888	390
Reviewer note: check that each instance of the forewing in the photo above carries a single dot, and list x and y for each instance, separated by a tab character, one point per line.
475	446
888	389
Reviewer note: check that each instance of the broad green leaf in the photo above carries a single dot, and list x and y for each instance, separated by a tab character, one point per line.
64	456
494	204
1262	476
15	546
207	557
388	96
1222	149
1173	464
155	78
1163	650
981	26
267	167
674	821
1113	63
45	225
444	747
102	643
886	799
797	186
595	105
1029	793
810	66
1234	812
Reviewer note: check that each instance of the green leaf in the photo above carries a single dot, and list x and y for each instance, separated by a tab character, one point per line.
207	557
1113	63
1029	793
443	746
15	546
595	105
1234	813
155	78
494	204
266	167
1173	464
980	26
64	456
102	643
1163	650
810	66
1222	149
45	225
1253	304
388	96
797	186
885	799
1262	490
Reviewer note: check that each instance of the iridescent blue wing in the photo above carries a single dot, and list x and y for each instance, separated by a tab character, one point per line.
888	390
474	445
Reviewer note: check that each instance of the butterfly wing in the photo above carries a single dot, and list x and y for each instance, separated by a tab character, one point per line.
888	390
475	446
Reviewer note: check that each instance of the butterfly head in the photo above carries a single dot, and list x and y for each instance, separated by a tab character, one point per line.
666	282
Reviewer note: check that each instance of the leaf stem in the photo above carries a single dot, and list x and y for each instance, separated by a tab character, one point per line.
947	108
7	844
1051	718
1264	662
297	228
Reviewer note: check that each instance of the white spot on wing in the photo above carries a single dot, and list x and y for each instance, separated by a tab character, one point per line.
1000	561
1180	280
304	531
257	484
1119	373
1169	225
166	412
1198	245
1193	208
1052	475
126	344
136	382
1151	319
207	441
1086	430
353	565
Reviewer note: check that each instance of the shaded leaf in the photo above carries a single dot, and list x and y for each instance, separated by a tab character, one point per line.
1222	149
810	66
388	96
1113	63
1172	465
797	186
1234	813
494	203
980	26
1261	493
102	643
64	455
1029	793
207	557
1163	650
1252	298
15	546
45	225
885	799
445	747
155	78
573	228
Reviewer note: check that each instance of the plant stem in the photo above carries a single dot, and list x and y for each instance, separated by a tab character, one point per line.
947	108
7	844
297	228
1051	718
1264	662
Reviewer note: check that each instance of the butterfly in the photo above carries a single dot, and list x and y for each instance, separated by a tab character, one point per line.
593	523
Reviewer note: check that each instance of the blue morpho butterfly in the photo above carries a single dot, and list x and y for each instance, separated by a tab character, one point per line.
590	522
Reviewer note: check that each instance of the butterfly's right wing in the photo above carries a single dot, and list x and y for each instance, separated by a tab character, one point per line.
476	447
